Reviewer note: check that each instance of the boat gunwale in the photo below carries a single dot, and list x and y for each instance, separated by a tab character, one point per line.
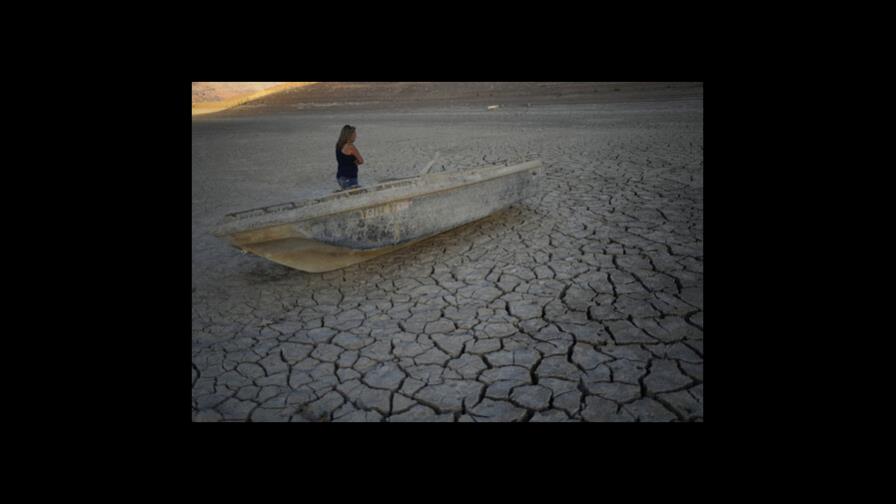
379	194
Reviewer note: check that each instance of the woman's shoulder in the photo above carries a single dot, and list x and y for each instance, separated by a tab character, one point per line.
348	148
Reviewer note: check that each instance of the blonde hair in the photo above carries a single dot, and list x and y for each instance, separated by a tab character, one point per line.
345	136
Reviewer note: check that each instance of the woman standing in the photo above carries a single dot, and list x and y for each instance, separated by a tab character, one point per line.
348	158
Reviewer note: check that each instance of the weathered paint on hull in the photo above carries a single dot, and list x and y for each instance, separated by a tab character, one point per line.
329	241
316	257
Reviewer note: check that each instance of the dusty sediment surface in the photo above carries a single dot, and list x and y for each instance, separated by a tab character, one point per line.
582	303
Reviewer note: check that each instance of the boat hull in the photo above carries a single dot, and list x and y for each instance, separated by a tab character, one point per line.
325	241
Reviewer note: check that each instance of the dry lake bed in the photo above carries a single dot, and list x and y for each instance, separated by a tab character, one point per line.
581	303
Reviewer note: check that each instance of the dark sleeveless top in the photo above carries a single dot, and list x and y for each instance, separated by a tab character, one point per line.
347	166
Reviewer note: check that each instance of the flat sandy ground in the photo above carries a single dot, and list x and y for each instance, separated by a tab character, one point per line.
583	303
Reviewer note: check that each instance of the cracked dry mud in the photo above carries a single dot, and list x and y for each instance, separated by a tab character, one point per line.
582	303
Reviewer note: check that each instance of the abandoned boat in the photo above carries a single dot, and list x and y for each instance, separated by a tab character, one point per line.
355	225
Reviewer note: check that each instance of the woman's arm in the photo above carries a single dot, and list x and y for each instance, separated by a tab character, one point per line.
352	150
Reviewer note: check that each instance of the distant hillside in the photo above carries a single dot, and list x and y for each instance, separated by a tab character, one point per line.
284	97
210	97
